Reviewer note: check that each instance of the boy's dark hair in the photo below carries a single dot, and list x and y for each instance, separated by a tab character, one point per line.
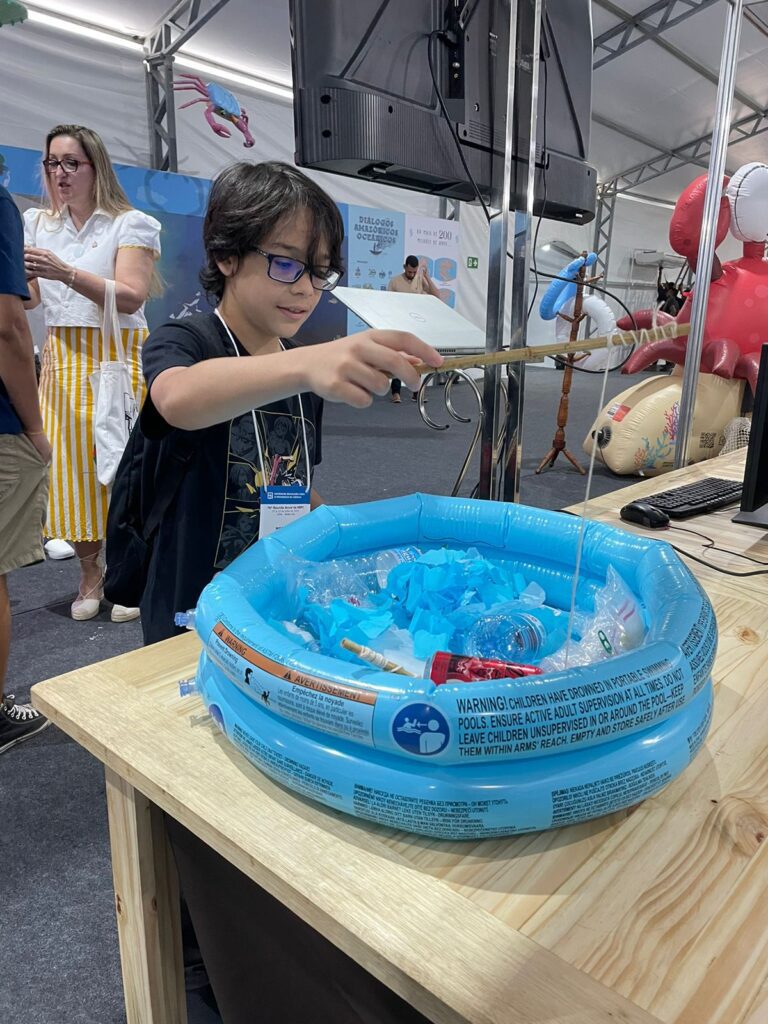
246	202
411	261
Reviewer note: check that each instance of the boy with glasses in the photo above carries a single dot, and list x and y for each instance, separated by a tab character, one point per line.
244	398
246	402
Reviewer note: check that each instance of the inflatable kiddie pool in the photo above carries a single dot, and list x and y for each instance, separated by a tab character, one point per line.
461	760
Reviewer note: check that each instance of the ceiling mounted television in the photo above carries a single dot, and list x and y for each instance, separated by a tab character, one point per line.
365	105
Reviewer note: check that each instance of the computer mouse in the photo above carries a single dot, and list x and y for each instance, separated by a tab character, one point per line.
645	514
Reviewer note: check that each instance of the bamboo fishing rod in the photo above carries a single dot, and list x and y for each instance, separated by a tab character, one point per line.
532	353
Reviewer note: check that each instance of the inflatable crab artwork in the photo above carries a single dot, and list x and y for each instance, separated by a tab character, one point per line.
220	103
637	431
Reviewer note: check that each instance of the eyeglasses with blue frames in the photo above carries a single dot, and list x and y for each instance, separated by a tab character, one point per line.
68	164
287	270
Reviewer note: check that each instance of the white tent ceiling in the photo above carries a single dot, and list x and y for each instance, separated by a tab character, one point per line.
656	95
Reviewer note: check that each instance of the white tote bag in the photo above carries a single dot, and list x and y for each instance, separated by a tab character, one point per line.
114	402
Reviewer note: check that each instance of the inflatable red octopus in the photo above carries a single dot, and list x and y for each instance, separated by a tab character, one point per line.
737	310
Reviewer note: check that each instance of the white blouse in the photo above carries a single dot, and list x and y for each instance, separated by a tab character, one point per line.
94	249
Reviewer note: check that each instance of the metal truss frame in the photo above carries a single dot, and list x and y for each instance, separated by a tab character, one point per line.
631	31
637	137
604	210
176	27
696	151
646	24
674	51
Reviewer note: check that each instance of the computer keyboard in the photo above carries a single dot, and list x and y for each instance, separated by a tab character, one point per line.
698	498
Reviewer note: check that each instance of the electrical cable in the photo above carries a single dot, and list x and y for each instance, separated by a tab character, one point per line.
717	568
605	291
437	34
711	546
364	41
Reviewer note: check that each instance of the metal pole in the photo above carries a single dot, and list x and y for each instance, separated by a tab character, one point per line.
501	190
708	228
170	112
528	48
500	472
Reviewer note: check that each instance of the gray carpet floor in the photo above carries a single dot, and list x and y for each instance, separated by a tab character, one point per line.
57	928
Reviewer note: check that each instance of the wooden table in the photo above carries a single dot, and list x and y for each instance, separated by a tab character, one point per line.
655	914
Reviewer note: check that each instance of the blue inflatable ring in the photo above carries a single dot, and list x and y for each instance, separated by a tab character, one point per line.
559	292
275	698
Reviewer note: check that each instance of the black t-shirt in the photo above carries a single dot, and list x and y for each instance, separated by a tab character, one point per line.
12	282
214	516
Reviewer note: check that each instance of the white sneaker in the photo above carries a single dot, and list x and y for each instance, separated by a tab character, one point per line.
120	613
58	549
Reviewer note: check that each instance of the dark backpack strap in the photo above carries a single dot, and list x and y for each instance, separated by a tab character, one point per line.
175	468
176	461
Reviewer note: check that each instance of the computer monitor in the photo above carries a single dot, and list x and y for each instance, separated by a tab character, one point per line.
365	104
754	497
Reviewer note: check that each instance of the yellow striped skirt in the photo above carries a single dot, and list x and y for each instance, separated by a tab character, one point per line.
77	505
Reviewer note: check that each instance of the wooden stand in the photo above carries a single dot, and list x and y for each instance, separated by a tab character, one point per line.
558	444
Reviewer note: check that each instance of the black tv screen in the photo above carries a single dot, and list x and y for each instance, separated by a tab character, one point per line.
365	105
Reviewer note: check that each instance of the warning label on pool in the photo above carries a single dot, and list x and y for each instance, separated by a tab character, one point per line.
544	719
308	699
450	819
602	796
420	729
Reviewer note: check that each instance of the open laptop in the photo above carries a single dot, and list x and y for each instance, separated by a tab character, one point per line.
423	315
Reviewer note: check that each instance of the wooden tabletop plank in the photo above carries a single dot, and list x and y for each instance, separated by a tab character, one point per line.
653	914
332	870
689	848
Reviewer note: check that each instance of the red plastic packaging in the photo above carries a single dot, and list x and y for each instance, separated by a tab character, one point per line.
444	667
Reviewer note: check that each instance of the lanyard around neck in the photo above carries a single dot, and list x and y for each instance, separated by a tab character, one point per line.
264	477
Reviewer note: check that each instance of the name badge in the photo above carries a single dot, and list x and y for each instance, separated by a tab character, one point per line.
280	506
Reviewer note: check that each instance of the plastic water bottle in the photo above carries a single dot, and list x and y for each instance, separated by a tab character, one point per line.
353	578
511	636
324	582
389	559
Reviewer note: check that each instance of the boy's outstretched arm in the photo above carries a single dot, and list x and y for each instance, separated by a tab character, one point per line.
350	370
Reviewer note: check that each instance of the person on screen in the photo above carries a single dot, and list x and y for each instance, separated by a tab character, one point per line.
89	232
416	281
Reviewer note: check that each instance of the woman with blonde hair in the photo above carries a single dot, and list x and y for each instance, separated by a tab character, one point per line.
88	235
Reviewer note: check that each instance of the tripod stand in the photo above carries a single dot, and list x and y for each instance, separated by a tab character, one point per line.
558	443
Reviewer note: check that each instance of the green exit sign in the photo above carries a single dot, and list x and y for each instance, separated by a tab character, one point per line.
472	262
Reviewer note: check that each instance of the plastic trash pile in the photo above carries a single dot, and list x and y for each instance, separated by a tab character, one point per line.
408	604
